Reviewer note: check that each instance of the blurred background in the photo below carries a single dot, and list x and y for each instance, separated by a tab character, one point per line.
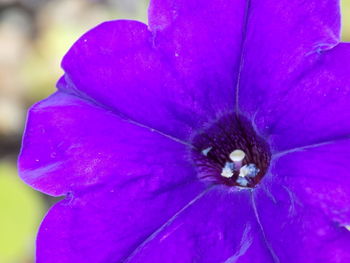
34	36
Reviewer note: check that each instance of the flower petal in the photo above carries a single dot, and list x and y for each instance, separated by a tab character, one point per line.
121	65
202	41
215	226
71	144
218	227
320	177
293	78
121	181
315	109
106	225
304	206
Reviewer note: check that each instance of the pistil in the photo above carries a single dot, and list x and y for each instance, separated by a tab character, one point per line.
237	157
230	153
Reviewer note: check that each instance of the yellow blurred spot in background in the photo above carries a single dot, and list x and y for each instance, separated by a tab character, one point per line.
21	210
345	7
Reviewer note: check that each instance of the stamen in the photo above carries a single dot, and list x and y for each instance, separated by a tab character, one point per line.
228	169
249	170
237	157
228	151
242	181
206	151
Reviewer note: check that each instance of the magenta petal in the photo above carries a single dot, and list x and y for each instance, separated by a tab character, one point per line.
122	181
280	38
298	233
108	224
202	42
312	109
320	178
218	226
293	79
120	65
303	205
71	144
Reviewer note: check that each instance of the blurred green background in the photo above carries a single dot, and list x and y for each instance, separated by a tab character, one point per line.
34	36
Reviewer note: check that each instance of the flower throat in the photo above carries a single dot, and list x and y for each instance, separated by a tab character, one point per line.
230	152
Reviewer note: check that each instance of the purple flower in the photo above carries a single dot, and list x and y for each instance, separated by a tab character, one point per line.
217	133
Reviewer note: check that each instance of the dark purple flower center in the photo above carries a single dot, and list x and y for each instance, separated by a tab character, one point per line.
229	152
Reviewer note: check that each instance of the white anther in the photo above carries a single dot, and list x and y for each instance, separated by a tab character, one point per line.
242	181
227	171
347	227
249	170
237	157
206	151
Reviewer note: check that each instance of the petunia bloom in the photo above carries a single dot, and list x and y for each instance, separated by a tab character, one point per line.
219	132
